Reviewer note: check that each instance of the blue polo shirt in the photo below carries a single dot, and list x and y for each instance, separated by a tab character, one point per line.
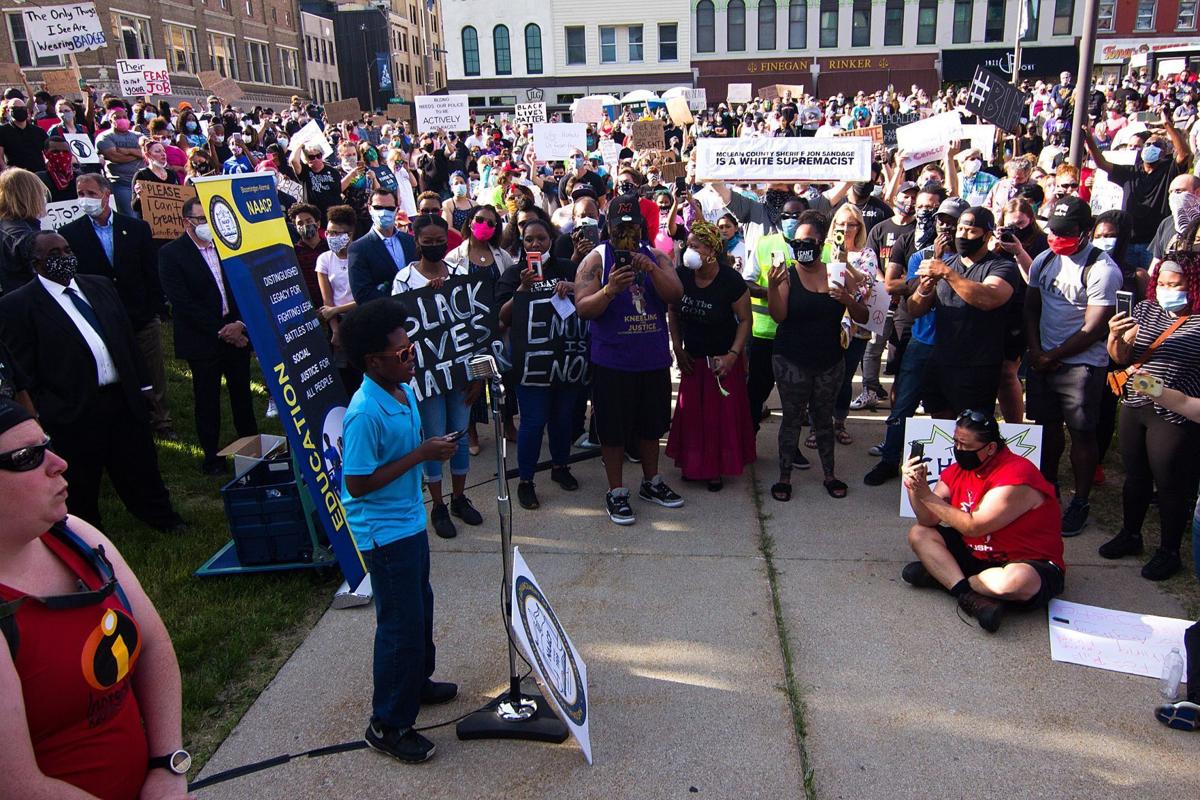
922	327
377	430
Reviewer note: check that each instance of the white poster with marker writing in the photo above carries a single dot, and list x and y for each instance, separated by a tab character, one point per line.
557	140
144	76
926	140
529	113
60	213
1118	641
72	28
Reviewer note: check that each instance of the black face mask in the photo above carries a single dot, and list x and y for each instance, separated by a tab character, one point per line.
61	269
775	199
19	114
433	252
967	247
969	459
926	229
627	187
805	250
863	189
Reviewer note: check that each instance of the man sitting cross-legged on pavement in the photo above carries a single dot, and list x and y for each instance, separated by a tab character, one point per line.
989	531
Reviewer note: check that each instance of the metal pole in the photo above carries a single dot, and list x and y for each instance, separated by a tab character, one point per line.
1083	79
1016	69
370	91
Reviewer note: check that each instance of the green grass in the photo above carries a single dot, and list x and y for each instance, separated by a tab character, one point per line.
231	634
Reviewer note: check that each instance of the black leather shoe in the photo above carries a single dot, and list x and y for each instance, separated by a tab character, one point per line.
526	496
563	477
437	692
443	526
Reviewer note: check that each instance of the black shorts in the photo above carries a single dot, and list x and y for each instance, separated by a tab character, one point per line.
1014	344
630	406
1049	573
1069	394
955	388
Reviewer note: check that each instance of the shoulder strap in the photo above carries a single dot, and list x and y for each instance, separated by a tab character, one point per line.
1039	261
94	556
1154	346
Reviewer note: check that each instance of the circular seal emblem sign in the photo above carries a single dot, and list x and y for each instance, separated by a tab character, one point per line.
553	654
225	223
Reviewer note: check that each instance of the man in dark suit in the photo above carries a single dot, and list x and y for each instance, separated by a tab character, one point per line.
209	332
376	257
71	337
121	249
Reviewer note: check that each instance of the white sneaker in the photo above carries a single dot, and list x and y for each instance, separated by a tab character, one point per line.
866	399
584	443
272	411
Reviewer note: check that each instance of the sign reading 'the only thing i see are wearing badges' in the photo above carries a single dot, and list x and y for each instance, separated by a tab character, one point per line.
556	663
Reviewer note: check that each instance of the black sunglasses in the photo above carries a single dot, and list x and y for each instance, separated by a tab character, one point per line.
25	459
789	215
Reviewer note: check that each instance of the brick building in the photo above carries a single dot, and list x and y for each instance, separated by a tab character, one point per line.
1158	34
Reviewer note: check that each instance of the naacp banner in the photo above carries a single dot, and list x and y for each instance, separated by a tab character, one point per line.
252	241
784	159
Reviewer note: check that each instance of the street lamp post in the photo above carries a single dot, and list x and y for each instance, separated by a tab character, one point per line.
370	91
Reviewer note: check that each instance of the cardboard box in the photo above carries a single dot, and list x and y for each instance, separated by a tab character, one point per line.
249	451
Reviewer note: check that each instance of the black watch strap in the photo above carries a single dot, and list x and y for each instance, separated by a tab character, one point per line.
178	762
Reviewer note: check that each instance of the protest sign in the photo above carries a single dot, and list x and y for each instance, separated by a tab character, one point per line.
209	78
874	133
342	110
677	107
255	248
529	113
878	303
739	93
781	90
891	122
588	109
982	137
697	99
63	82
610	152
442	112
55	30
227	89
62	212
291	188
310	134
938	437
162	207
556	664
1106	195
142	77
647	134
993	99
672	170
547	348
1119	641
926	140
557	140
451	325
784	159
83	148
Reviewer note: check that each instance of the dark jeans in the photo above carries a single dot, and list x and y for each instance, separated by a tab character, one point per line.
544	407
234	364
762	376
404	651
908	397
1162	454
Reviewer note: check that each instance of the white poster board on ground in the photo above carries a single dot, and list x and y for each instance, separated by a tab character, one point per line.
54	30
775	159
529	113
82	146
938	437
144	76
442	112
1118	641
551	654
926	140
557	140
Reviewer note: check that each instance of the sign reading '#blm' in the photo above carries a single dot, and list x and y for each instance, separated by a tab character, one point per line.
784	159
442	112
995	100
529	113
147	76
53	30
927	139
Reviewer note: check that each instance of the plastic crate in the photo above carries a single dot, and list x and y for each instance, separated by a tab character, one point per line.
266	516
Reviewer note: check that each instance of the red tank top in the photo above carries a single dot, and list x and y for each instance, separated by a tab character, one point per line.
76	669
1036	535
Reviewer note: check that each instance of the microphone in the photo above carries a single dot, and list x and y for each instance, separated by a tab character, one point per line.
482	367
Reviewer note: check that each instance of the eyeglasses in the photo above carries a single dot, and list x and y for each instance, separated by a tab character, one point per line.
196	219
789	215
25	459
405	354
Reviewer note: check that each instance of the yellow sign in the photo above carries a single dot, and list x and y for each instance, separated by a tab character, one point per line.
788	65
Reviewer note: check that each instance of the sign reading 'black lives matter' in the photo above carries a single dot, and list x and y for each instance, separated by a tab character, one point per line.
547	348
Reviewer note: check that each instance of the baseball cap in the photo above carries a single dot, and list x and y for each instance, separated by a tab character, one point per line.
1068	215
626	208
952	207
983	217
907	186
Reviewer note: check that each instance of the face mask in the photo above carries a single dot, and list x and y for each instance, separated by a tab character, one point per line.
190	126
372	155
652	178
67	116
1064	245
967	247
204	232
626	187
971	166
789	228
307	231
121	125
577	162
338	241
218	139
968	459
929	181
775	199
91	206
459	189
60	269
384	219
433	252
904	204
1183	206
812	194
1151	153
235	148
483	231
1105	243
692	259
805	250
1173	300
19	114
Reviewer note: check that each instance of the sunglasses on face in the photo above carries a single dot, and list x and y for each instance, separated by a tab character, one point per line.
405	354
383	208
25	459
789	215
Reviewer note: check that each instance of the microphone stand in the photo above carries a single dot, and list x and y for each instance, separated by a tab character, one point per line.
514	714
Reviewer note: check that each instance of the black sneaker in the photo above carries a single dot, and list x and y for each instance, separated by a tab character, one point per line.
881	473
1161	565
461	507
1075	517
526	496
915	574
1123	544
619	510
1180	716
563	477
435	693
657	491
986	610
407	746
443	526
799	461
633	458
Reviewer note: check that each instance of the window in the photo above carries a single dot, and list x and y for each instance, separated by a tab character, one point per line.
963	11
22	52
274	15
249	8
1105	15
287	18
829	23
470	45
927	21
1145	15
735	25
289	66
797	24
993	28
181	48
420	79
1186	21
533	49
1032	20
635	43
258	63
223	52
668	41
893	23
412	14
332	55
136	41
576	46
503	53
860	24
766	24
608	44
706	27
1064	13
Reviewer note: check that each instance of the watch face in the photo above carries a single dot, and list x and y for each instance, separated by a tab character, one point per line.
181	762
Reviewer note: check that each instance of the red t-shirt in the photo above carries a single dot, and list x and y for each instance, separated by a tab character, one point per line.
1036	535
76	669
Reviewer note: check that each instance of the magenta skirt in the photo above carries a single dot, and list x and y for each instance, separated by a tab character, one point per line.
711	434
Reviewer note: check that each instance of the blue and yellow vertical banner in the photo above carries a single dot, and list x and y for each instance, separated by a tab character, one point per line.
256	254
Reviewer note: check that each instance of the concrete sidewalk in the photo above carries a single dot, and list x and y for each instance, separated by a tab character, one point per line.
675	620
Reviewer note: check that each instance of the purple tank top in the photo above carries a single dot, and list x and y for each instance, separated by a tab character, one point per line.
631	334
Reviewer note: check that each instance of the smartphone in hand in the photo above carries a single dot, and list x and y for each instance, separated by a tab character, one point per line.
916	450
1125	303
456	435
533	261
622	258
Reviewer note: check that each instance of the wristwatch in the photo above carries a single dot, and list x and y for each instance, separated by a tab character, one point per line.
178	762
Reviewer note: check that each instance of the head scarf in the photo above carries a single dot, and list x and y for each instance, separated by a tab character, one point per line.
708	235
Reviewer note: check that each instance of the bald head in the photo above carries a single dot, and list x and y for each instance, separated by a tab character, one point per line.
1186	183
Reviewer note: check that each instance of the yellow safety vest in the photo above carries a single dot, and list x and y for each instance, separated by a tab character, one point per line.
764	327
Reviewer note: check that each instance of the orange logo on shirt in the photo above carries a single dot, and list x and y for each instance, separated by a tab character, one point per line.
111	650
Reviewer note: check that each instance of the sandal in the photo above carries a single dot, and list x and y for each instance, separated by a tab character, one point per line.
842	436
836	488
782	492
811	441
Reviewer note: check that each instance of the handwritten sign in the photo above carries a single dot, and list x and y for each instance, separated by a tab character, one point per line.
442	112
63	82
993	99
739	93
310	134
982	137
291	188
343	110
82	146
874	132
557	140
162	207
588	109
784	159
144	76
697	99
672	170
878	302
227	89
209	78
54	30
647	134
1118	641
781	90
926	140
529	113
547	349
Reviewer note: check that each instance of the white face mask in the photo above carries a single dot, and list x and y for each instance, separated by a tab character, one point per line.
971	166
204	232
91	206
1105	243
692	259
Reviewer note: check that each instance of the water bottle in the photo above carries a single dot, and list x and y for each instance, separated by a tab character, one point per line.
1172	674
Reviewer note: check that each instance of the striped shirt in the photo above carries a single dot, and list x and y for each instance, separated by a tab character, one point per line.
1176	361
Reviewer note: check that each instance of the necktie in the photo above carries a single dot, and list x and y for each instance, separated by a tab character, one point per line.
86	310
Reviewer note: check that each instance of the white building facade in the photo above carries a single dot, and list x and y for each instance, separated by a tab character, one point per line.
320	58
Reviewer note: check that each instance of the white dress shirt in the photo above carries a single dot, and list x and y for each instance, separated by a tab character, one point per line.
106	369
209	254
